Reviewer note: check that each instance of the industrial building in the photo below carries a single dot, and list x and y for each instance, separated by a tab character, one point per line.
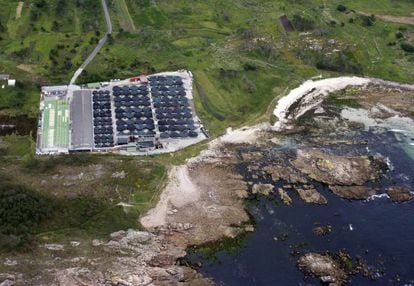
141	115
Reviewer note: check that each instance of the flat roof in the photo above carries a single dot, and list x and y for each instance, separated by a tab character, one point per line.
81	120
55	128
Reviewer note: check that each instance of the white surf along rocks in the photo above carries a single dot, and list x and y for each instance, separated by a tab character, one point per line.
310	95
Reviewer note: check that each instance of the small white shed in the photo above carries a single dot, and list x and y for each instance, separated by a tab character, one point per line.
11	82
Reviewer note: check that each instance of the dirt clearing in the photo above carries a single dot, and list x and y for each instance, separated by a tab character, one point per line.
26	68
19	9
125	19
397	19
394	19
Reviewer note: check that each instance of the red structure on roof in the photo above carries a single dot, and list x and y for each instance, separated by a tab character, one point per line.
141	78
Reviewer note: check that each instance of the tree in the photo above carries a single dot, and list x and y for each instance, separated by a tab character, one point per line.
110	39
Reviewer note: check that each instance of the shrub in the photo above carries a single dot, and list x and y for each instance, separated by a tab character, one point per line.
2	27
249	67
399	35
368	21
302	24
340	63
341	8
407	47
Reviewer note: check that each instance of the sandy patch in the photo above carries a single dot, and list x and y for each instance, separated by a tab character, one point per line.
396	19
203	200
19	9
239	136
179	192
26	68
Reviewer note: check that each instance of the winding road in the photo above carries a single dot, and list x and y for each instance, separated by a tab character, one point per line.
98	47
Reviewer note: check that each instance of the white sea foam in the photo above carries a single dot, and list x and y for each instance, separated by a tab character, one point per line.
379	196
398	131
389	163
311	93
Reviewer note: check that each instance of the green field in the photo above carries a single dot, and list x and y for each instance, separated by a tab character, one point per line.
55	124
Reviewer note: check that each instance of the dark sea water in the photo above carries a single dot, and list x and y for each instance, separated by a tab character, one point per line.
378	230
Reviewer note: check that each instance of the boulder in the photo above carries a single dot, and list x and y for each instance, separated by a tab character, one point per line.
353	192
338	170
286	199
322	230
263	189
399	194
312	196
323	267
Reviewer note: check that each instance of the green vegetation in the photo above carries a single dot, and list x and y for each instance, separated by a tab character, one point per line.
211	250
49	198
341	8
239	54
20	209
343	98
20	100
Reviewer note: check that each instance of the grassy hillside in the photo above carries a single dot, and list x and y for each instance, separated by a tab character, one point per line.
240	55
48	198
44	44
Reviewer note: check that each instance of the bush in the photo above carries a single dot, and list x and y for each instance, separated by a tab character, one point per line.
399	35
2	27
249	67
368	21
302	24
341	8
340	63
407	47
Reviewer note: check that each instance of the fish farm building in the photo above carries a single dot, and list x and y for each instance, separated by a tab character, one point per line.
141	115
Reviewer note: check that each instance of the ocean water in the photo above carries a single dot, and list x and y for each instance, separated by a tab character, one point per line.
378	230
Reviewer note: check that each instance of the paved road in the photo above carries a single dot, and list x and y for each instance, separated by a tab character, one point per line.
98	47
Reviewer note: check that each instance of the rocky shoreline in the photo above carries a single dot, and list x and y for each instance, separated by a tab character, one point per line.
204	202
